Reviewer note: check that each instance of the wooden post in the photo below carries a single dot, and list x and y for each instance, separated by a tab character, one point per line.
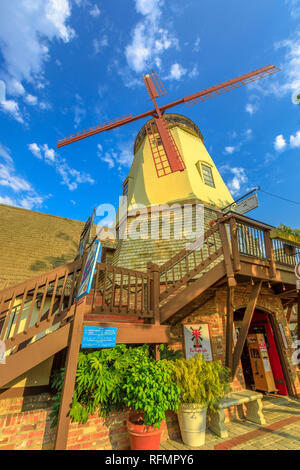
229	328
289	313
245	326
227	255
75	338
298	317
234	245
270	253
155	291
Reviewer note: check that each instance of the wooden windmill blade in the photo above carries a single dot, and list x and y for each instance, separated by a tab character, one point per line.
169	160
168	150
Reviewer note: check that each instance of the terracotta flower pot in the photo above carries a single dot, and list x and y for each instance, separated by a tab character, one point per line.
142	436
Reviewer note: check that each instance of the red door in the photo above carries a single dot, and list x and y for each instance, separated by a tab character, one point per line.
262	323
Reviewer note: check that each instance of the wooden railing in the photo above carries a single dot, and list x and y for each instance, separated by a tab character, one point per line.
189	263
33	306
122	290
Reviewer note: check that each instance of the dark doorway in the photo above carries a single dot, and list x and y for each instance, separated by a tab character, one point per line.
261	325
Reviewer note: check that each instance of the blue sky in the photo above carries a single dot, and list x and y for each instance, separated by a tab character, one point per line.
71	64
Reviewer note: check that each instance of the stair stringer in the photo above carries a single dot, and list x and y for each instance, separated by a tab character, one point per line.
183	301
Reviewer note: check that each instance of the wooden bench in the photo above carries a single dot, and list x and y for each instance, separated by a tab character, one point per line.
254	407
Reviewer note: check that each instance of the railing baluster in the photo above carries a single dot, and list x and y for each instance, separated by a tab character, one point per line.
31	308
53	298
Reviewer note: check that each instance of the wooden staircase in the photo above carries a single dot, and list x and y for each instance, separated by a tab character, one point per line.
35	315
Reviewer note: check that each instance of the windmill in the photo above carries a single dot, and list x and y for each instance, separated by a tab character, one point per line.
166	155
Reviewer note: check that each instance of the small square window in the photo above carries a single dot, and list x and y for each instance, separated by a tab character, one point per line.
125	188
207	175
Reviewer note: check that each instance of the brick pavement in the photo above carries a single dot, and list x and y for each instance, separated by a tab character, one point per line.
281	431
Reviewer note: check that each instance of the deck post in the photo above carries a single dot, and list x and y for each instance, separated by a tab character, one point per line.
298	317
270	253
245	326
229	328
75	338
234	245
155	291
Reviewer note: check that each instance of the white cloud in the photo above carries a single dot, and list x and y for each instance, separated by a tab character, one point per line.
26	29
11	107
238	181
279	143
79	110
294	6
99	44
70	177
251	108
34	148
176	72
230	149
95	11
295	140
149	38
197	44
31	100
24	194
120	158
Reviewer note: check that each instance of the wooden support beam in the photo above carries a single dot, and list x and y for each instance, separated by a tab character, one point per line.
227	255
229	328
136	333
289	313
75	338
270	253
298	317
234	245
245	326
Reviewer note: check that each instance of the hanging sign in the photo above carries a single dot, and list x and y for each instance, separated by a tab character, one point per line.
88	270
197	340
85	235
297	270
99	337
246	205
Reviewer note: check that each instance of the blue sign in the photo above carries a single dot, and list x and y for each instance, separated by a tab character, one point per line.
99	337
88	270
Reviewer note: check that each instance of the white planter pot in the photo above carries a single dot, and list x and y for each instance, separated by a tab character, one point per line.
192	423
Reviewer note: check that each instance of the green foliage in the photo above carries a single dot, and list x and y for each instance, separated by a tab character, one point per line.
200	381
289	231
149	388
169	354
104	381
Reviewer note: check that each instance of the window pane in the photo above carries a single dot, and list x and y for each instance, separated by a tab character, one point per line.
207	175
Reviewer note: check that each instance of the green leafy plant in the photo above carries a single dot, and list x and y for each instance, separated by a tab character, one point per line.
149	389
200	381
99	381
111	379
168	353
286	232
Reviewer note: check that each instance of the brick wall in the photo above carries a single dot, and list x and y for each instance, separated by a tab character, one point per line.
213	312
25	425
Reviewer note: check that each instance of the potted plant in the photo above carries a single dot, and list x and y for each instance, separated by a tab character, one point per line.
202	384
149	391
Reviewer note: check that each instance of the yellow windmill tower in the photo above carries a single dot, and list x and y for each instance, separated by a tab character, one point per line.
171	166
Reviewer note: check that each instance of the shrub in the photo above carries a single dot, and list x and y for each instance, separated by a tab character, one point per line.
149	388
111	379
200	381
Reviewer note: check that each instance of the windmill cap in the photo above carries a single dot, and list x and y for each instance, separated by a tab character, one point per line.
173	120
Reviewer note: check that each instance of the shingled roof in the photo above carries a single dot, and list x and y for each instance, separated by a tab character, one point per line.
32	243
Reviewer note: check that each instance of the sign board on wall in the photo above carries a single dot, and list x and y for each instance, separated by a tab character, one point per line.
99	337
197	340
88	270
85	235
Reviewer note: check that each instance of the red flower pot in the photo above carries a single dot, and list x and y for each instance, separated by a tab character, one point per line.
142	436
